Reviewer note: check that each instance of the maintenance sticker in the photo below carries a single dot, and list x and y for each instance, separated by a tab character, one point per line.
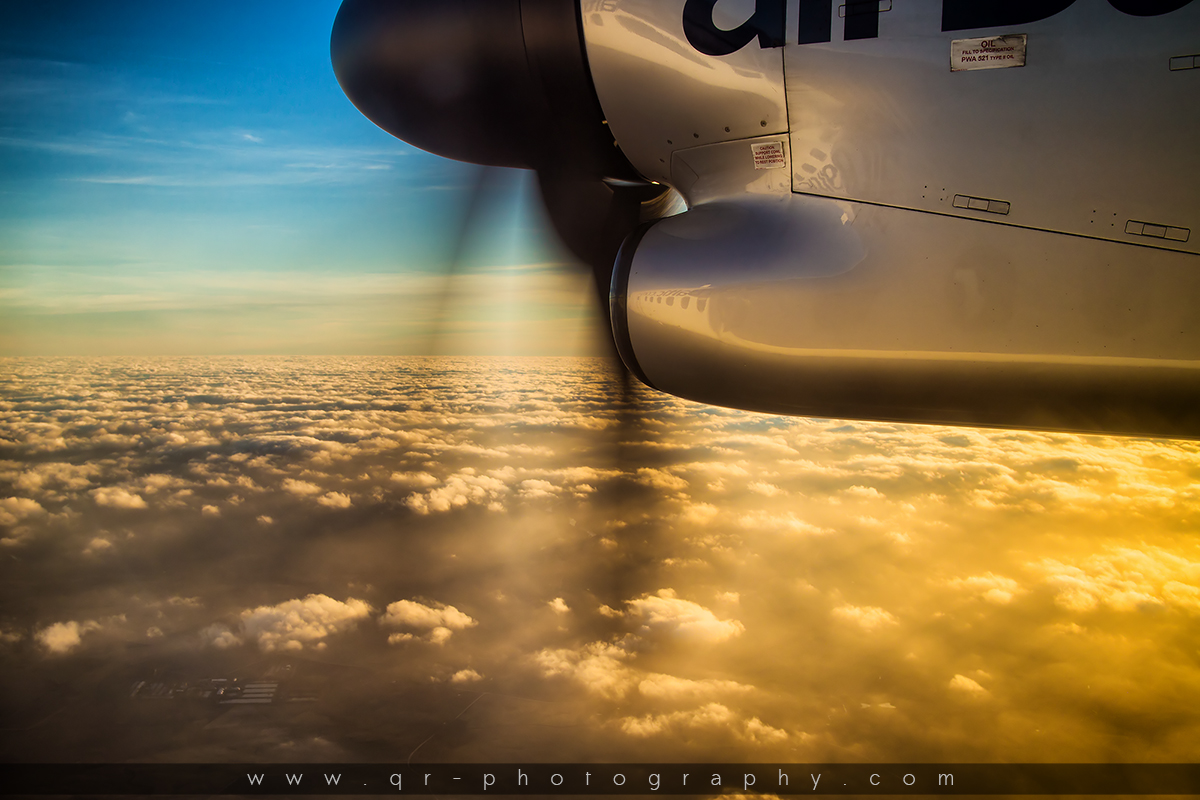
996	52
768	155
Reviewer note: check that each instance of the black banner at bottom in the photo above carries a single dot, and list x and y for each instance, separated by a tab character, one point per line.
599	779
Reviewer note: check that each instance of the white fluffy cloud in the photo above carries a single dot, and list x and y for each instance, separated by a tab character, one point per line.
97	545
465	676
116	497
295	623
669	687
712	716
63	637
300	488
661	479
461	489
869	618
1124	579
599	666
69	477
335	500
220	636
992	588
664	613
961	683
438	621
535	489
419	479
786	522
14	510
698	513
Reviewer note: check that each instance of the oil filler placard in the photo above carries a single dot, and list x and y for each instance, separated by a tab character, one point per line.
768	155
994	52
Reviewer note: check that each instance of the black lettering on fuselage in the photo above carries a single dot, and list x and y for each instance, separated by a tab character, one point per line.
862	20
815	19
1147	8
958	15
767	23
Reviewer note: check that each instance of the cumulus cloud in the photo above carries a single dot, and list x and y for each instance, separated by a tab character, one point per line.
665	613
1124	579
660	479
220	636
438	621
116	497
63	637
98	544
971	507
759	732
14	510
1183	595
713	717
559	605
992	588
300	488
419	479
535	489
334	500
669	687
461	489
786	522
600	667
961	683
869	618
293	624
465	676
698	513
68	477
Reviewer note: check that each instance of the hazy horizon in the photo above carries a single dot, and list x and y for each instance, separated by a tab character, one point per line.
188	178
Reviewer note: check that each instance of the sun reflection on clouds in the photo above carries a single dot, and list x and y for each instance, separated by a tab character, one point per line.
694	583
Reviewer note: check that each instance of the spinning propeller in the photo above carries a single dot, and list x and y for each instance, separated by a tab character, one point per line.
499	83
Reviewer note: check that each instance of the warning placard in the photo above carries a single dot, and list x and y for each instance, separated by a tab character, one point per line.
995	52
768	155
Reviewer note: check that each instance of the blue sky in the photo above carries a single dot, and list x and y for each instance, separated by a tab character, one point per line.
188	177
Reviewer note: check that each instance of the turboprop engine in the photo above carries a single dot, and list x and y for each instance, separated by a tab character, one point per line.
942	212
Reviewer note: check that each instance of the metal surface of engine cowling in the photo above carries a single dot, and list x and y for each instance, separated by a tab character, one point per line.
818	307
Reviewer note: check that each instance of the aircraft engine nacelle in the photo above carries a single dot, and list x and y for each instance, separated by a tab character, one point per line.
815	307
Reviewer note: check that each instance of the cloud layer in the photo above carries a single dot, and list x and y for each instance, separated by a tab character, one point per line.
686	583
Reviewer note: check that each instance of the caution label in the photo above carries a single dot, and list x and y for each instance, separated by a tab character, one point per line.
996	52
768	155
